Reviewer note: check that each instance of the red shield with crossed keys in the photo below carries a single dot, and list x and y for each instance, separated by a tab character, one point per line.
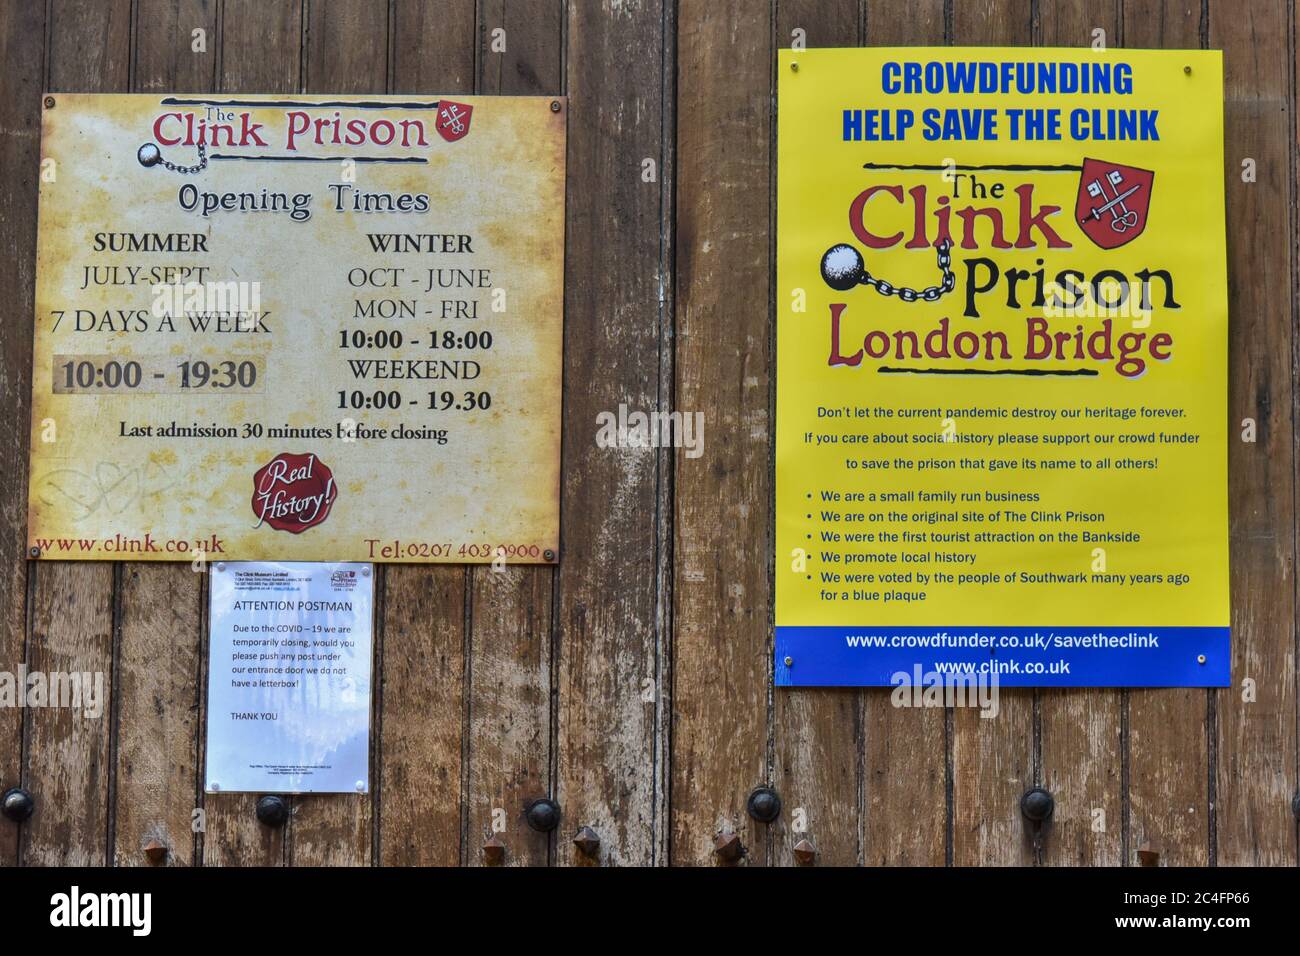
453	120
1113	202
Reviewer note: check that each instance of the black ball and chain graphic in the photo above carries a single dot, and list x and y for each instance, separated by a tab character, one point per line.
150	155
843	268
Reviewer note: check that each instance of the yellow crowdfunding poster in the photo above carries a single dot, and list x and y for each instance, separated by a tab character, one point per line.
1002	367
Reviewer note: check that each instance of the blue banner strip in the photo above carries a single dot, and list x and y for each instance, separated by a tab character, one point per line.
1021	656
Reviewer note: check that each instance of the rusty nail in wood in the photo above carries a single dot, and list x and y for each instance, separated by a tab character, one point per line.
49	102
587	841
805	853
155	851
1148	858
494	851
728	847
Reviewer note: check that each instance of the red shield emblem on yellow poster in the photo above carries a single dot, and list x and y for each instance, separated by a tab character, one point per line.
1113	202
453	120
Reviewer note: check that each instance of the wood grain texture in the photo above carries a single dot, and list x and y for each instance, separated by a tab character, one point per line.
906	774
1082	753
345	50
508	748
68	752
21	24
1168	809
1162	24
992	758
422	688
722	645
1081	732
434	47
1255	739
159	607
1073	24
259	46
157	712
818	23
68	756
917	23
992	766
992	22
819	765
533	37
163	57
422	700
906	764
613	583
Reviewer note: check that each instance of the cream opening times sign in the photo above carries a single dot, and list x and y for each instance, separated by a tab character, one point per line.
298	328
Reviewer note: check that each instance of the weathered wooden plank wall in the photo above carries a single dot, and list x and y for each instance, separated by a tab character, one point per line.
633	681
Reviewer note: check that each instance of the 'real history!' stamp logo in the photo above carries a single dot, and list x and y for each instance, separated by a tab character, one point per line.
293	492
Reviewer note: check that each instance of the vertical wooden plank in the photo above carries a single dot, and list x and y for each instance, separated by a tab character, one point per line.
261	46
434	46
68	753
1255	753
992	23
509	684
68	766
1168	754
722	596
613	583
1072	24
824	23
905	750
422	689
22	47
819	764
1162	24
1081	739
160	605
164	56
89	46
345	50
259	50
992	758
421	720
532	60
157	712
509	743
1082	747
918	23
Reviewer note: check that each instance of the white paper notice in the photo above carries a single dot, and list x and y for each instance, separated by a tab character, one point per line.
289	677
